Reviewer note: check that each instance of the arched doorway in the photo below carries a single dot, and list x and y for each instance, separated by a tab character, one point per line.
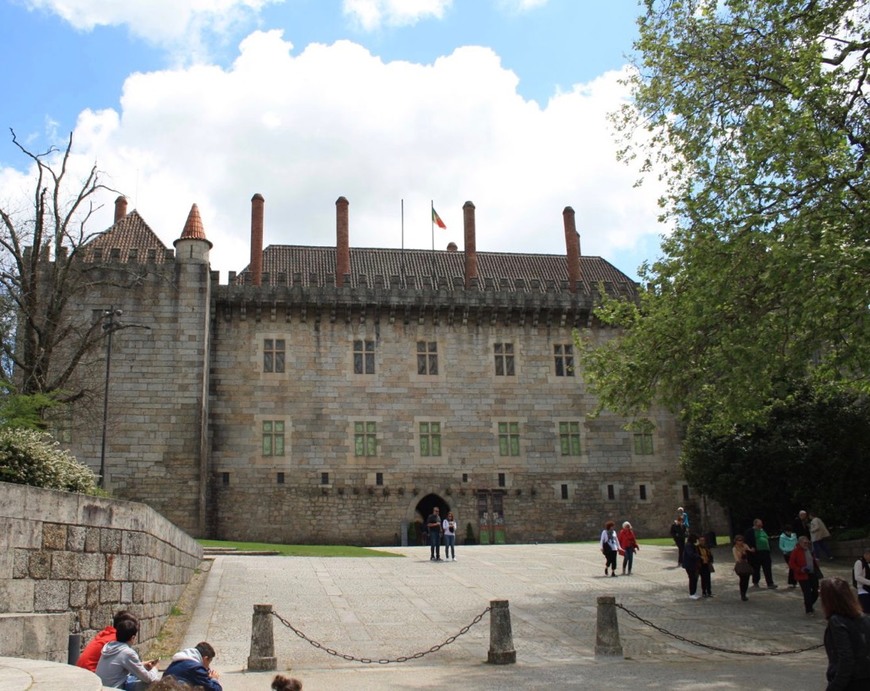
422	510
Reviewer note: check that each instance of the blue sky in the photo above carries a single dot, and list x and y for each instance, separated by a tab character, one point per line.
501	102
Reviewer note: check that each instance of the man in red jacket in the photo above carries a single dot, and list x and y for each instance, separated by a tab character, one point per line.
91	654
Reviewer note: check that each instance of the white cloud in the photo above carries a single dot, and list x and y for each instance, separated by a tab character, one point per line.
303	129
372	14
178	25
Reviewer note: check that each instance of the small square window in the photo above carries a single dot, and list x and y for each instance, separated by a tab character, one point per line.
611	492
379	479
465	477
280	478
685	492
643	443
564	491
225	479
641	490
501	480
324	478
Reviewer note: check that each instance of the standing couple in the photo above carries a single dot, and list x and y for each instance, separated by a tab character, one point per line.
437	528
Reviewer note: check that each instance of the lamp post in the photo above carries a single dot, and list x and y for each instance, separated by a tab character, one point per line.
109	327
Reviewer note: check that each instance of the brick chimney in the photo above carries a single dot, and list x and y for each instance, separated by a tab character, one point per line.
120	208
572	245
470	246
258	204
342	241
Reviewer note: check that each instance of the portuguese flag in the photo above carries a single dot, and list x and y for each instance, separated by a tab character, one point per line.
436	219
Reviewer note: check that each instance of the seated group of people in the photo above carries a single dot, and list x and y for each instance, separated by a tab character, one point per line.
114	660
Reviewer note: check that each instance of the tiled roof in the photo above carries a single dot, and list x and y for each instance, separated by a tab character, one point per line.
193	229
128	240
496	270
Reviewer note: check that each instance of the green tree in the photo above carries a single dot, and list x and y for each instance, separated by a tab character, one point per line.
812	452
755	113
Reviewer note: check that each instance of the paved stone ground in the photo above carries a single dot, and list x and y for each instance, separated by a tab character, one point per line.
383	608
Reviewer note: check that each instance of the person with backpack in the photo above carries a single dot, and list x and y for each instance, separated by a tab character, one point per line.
847	637
861	579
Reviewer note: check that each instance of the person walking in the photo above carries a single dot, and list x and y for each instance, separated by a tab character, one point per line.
861	577
609	547
758	542
678	534
433	525
448	527
742	567
847	637
705	567
692	565
628	544
787	543
806	570
819	535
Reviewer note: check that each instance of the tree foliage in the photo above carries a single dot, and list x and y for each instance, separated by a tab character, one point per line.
28	457
813	452
755	113
41	279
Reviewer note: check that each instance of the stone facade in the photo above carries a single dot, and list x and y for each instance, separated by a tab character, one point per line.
244	411
68	562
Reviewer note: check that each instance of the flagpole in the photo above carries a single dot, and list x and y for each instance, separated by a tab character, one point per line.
432	226
403	243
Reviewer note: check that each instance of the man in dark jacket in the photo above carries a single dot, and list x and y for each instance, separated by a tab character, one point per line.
192	666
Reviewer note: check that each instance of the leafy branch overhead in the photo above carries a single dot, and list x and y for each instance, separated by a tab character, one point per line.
756	116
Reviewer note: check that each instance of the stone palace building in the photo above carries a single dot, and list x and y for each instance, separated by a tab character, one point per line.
336	394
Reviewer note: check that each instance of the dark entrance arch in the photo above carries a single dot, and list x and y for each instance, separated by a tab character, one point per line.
424	508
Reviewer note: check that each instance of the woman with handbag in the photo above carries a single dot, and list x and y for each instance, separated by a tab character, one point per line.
742	567
628	545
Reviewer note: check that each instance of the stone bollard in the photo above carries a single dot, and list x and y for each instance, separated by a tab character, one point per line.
262	657
501	639
73	648
607	632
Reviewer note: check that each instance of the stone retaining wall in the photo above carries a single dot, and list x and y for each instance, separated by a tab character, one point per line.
86	557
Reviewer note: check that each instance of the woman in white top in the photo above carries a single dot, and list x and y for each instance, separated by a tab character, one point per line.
449	526
609	547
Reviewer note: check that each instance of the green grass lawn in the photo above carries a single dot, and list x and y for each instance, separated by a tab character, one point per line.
299	550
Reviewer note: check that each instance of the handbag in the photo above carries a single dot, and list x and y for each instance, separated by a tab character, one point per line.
742	568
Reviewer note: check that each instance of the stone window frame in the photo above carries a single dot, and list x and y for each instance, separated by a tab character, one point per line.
505	359
427	358
608	487
274	358
563	360
364	359
643	443
273	434
429	435
509	431
365	432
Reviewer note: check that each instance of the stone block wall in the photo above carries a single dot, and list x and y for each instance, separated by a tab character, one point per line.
83	558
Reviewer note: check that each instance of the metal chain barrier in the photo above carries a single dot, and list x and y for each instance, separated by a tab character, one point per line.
683	639
368	661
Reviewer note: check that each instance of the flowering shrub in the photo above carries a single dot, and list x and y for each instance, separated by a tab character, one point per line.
29	457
